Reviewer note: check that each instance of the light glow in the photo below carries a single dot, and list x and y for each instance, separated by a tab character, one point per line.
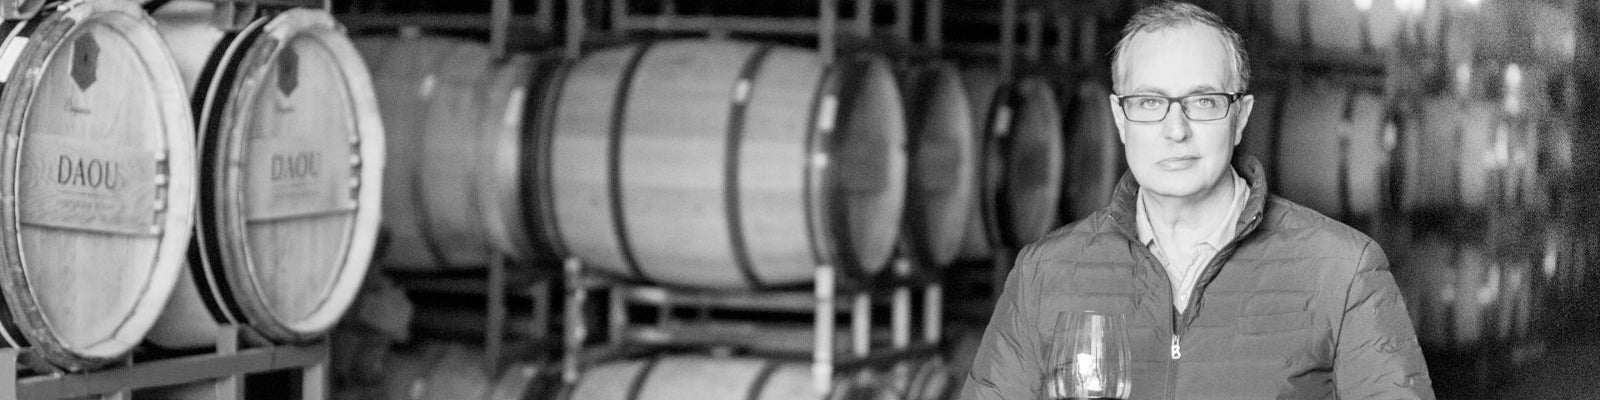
1463	78
1513	78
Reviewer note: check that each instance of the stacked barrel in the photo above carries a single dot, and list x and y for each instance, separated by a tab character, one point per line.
100	177
291	152
174	187
1451	162
703	166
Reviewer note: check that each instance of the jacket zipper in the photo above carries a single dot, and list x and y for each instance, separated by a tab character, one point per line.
1177	347
1181	320
1172	365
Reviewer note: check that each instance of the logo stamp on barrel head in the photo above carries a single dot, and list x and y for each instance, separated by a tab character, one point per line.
85	60
288	70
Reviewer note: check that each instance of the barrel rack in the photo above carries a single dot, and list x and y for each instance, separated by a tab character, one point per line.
503	280
225	368
827	300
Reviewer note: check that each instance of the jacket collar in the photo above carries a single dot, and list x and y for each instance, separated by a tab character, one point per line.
1124	201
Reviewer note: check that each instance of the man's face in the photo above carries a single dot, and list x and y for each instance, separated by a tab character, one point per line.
1177	156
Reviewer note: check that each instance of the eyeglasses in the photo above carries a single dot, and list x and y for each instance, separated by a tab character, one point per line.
1198	107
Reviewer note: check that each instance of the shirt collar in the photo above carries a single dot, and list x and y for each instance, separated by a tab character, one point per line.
1226	228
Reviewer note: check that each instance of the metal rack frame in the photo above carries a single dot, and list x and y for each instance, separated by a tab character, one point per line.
825	301
226	368
498	287
498	22
624	20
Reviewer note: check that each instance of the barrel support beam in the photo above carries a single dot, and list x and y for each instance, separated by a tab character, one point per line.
224	369
495	324
573	332
822	351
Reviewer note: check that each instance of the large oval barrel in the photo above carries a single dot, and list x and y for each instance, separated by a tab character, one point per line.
721	164
942	184
1094	154
99	170
464	179
713	378
1020	163
292	157
1331	154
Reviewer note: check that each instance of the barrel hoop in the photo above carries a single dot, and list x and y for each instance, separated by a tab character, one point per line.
1004	207
14	335
817	173
211	278
636	387
619	114
1000	146
924	87
988	187
743	89
761	381
550	79
848	88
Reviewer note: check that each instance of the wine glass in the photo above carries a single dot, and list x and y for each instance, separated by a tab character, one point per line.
1088	357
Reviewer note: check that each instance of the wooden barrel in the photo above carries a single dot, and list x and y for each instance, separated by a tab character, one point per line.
1478	298
1455	293
721	164
1451	160
442	370
99	177
981	85
1331	154
1094	153
457	172
713	378
1338	26
1026	150
942	184
404	76
1517	314
292	152
1020	164
1425	272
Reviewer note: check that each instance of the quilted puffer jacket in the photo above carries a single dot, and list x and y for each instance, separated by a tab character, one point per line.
1297	306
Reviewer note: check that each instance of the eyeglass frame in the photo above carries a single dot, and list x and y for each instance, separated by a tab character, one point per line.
1233	98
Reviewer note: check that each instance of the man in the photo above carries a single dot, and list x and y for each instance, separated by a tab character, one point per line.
1228	292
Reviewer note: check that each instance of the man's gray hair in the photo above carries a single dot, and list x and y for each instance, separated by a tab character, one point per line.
1171	14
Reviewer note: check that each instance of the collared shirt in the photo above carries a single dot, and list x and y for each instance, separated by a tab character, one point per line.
1184	273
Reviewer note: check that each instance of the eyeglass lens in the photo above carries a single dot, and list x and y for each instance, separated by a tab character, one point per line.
1200	107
